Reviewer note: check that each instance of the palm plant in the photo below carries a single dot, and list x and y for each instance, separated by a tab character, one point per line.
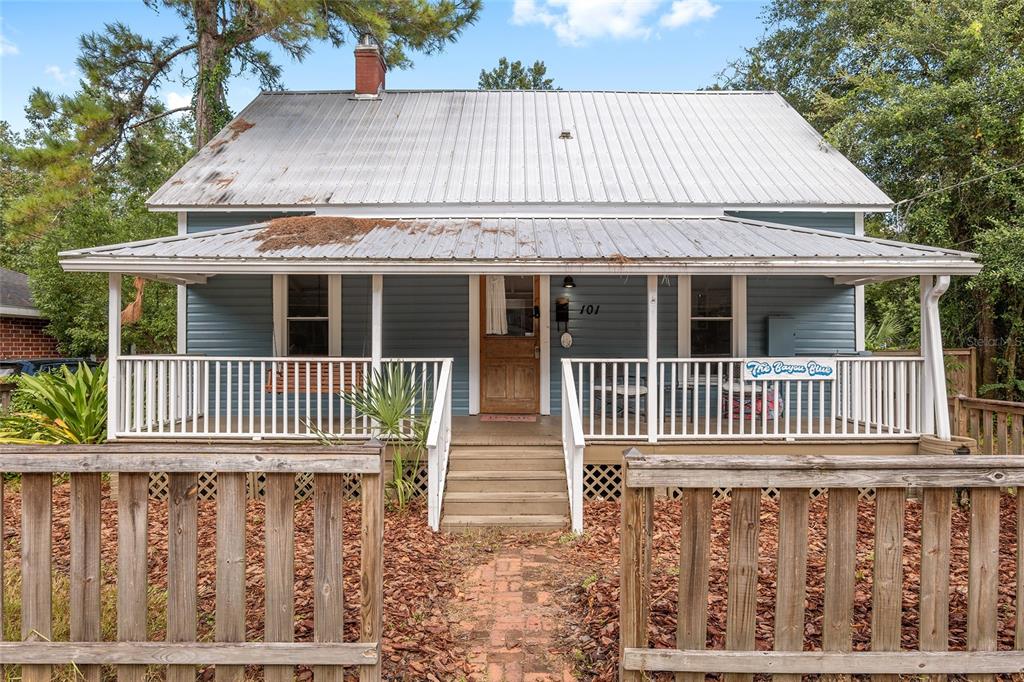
388	398
67	407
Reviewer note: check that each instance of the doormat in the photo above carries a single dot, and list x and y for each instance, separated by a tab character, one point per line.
508	417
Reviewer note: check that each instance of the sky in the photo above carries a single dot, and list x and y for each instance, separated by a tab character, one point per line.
586	44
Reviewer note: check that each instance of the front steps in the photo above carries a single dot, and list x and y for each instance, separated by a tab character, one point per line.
520	488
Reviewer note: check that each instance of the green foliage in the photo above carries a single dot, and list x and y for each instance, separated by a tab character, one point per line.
926	97
514	76
885	332
59	407
388	398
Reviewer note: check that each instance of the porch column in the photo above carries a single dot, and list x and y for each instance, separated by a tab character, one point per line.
652	358
935	417
113	352
377	322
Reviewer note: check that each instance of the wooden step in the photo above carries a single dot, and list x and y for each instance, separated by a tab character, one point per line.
526	523
504	481
505	460
498	503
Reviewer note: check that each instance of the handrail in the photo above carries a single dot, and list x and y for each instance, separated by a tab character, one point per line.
572	445
270	358
439	436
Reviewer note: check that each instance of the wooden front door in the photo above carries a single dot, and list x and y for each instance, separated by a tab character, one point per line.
510	362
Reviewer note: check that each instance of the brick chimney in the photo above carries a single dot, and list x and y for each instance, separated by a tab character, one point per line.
370	67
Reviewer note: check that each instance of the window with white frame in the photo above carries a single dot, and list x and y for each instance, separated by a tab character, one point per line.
308	315
711	316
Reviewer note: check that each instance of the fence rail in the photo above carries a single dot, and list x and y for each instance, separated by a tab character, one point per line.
997	425
936	475
181	652
184	396
868	397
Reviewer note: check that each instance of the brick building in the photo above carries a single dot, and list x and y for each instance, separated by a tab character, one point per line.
22	329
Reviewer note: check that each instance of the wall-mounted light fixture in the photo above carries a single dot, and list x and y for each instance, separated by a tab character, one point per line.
568	283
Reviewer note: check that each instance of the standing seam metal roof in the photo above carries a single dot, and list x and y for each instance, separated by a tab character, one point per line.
504	147
525	239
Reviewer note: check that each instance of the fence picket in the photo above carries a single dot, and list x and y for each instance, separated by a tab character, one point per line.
1019	622
635	572
983	572
132	579
936	521
36	563
279	566
791	572
86	491
741	606
694	572
182	548
328	598
230	591
371	571
887	577
840	568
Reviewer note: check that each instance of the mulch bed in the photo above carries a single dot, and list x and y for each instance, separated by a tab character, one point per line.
422	572
590	586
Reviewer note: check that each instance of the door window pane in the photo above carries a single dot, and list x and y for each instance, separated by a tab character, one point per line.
519	305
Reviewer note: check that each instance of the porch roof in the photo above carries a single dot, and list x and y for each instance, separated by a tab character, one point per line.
706	244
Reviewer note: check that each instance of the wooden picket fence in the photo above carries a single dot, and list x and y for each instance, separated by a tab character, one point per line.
997	425
182	653
842	475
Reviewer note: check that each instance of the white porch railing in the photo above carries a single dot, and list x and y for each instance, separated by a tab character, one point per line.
869	397
572	447
183	396
439	441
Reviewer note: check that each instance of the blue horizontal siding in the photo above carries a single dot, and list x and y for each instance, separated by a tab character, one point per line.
618	330
231	315
201	222
824	314
836	222
428	316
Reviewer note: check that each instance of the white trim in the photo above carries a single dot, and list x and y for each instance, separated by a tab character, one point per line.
523	210
182	295
860	320
683	316
113	353
280	307
334	314
739	315
474	344
376	321
652	357
19	311
545	344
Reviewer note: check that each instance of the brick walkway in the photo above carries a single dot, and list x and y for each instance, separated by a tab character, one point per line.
511	620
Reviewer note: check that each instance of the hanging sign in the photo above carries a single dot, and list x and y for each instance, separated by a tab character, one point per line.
788	369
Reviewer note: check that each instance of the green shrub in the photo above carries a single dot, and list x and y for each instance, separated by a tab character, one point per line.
58	407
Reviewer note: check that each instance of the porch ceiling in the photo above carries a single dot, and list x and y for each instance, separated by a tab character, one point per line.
670	245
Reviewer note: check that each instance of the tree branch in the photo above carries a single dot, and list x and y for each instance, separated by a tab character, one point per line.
157	117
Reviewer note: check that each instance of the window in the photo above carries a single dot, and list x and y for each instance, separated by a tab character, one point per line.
308	315
711	316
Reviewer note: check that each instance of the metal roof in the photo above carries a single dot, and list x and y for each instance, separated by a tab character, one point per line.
441	149
725	243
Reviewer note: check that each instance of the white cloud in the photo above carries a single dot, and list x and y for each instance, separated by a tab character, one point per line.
685	12
577	21
176	100
7	48
56	73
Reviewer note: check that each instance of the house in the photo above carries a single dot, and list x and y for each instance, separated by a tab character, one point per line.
23	333
562	273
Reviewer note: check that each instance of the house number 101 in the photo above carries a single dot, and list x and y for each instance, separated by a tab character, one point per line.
590	309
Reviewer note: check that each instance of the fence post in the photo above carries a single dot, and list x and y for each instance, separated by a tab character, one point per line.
371	567
634	571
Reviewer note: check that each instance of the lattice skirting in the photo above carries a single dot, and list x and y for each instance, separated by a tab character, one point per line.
257	483
604	482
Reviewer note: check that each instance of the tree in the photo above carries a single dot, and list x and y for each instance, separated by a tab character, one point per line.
515	76
927	97
222	39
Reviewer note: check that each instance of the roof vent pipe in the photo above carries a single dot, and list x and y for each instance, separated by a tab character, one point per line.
370	67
